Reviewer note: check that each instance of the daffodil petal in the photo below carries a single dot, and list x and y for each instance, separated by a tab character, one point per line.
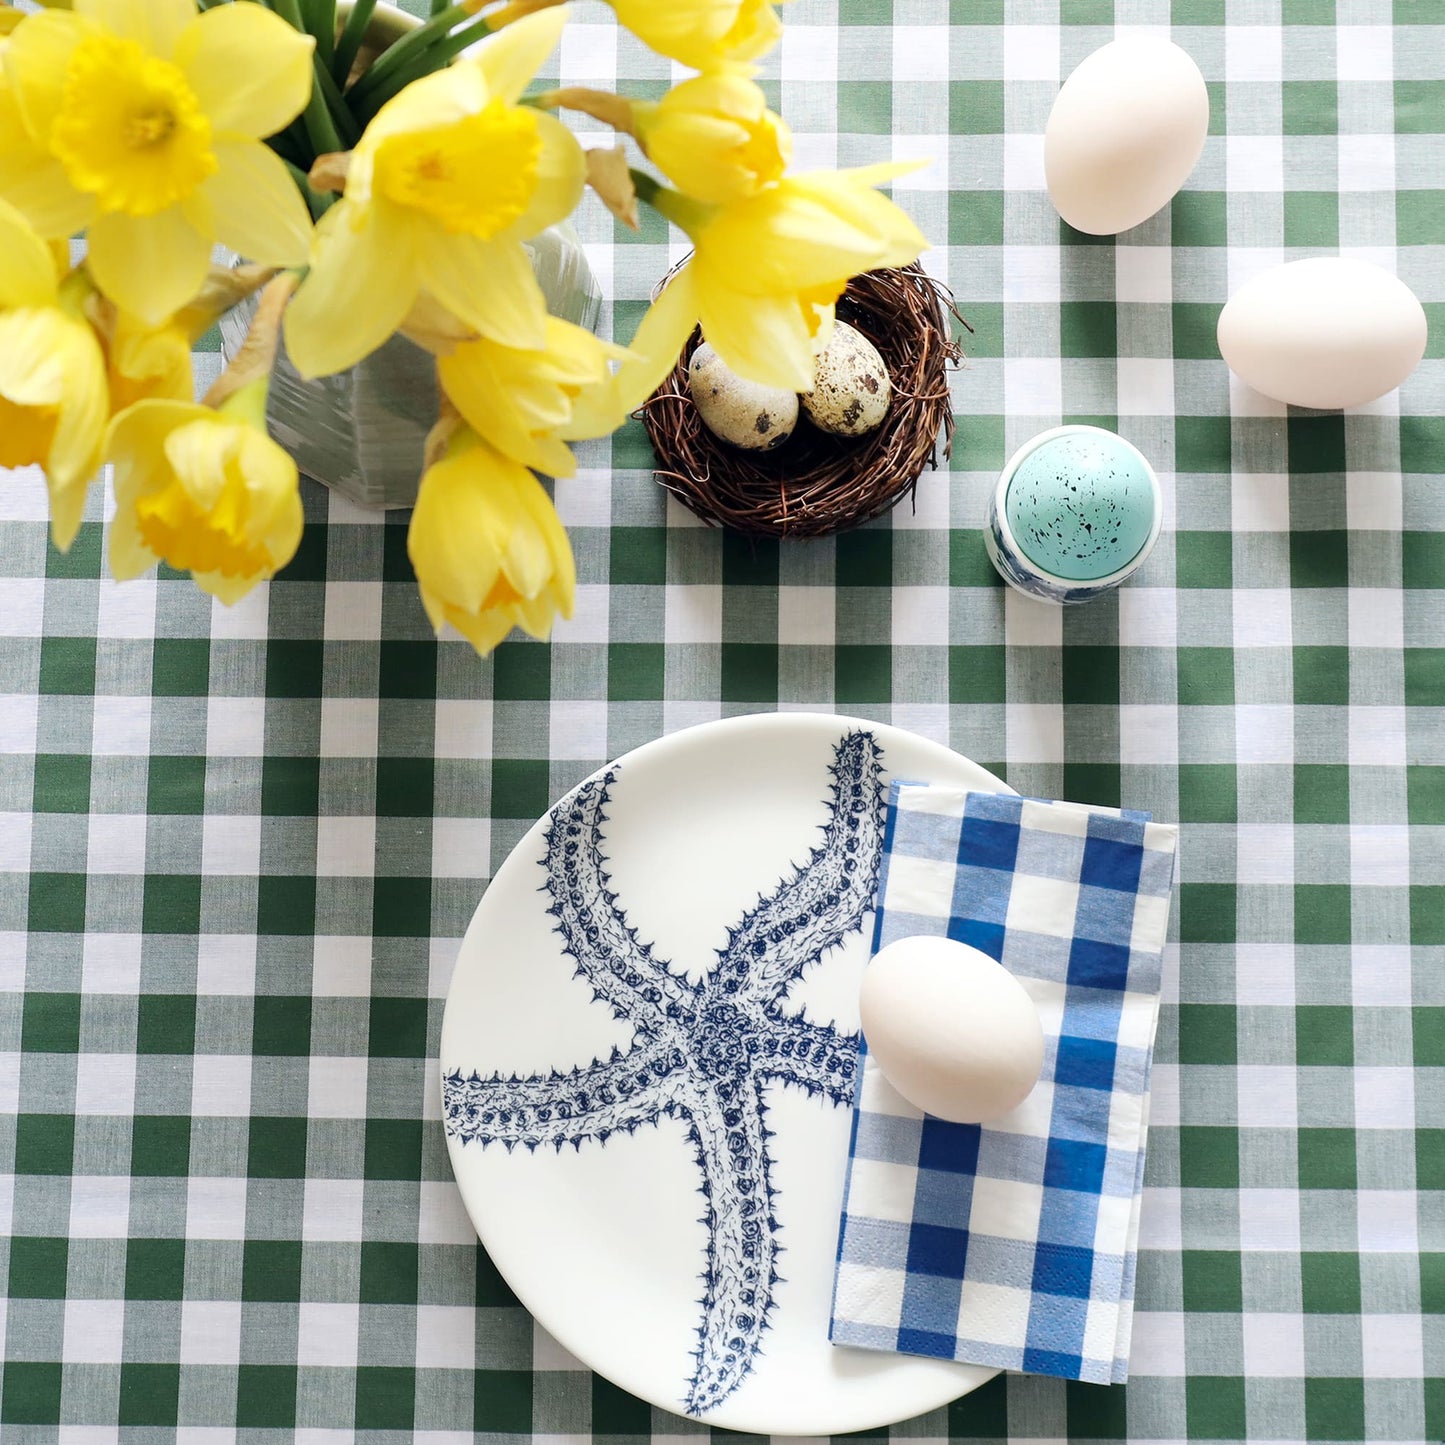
442	539
509	59
148	265
35	59
561	176
227	590
765	339
439	99
360	287
128	554
153	24
250	70
259	211
76	452
660	338
27	271
488	284
136	441
32	180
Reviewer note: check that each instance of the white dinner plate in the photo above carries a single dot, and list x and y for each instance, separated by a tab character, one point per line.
648	1062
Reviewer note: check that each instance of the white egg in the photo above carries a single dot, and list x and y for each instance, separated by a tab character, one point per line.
954	1032
1328	332
1126	129
851	389
736	410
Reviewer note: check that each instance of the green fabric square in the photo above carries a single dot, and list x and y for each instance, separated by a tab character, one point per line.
1419	104
1091	675
398	1028
271	1270
491	1288
165	1023
160	1145
1316	443
1425	793
1319	559
155	1269
637	557
1424	676
62	783
44	1143
631	449
407	669
502	1402
1422	439
1309	12
1428	1028
1093	1412
1208	793
395	564
67	666
1206	912
749	672
1311	218
1435	1408
388	1273
1208	1157
171	903
975	107
1212	1281
385	1397
401	907
976	674
393	1149
1206	676
1321	913
1420	212
868	104
1330	1282
404	787
522	671
149	1394
1088	328
276	1148
636	671
968	564
50	1023
1200	218
1097	783
84	559
983	1413
37	1267
1321	676
290	787
1214	1406
1335	1409
1086	12
294	667
1429	1159
309	562
520	788
1204	559
285	905
863	672
1202	443
749	561
1321	793
30	1393
975	12
1432	1282
864	559
986	339
1422	559
1195	327
1310	107
615	1412
181	667
176	785
1207	1034
56	903
266	1396
1326	1158
1324	1034
281	1024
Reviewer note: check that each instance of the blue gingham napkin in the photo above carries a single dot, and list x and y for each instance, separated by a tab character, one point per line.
1013	1243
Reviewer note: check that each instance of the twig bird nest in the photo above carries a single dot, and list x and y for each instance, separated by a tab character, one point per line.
814	483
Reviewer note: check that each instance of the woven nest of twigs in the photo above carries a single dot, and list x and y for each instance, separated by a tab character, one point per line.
815	483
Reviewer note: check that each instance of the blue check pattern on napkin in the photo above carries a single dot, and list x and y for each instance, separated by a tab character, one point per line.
1013	1244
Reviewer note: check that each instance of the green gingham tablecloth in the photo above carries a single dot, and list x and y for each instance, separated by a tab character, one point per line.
239	847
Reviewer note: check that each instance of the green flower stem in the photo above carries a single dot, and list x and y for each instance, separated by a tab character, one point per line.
317	204
404	54
684	212
319	17
351	37
336	106
435	57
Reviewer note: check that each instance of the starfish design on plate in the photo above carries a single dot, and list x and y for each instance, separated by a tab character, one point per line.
701	1052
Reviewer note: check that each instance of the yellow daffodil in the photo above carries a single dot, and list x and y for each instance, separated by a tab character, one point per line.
9	19
53	404
765	273
489	551
205	490
141	121
523	402
446	183
703	34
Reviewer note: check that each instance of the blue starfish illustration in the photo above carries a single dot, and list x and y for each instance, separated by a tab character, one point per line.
701	1053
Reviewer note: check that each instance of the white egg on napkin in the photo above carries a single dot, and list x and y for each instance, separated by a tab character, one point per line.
1127	128
1329	332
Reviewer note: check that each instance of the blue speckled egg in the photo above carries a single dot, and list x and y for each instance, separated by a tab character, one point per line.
1081	505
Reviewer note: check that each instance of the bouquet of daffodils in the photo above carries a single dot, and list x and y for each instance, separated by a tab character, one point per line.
371	195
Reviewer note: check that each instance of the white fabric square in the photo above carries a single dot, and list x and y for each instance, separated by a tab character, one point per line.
18	717
1263	617
1380	975
349	727
590	620
215	1208
1377	617
1254	162
461	847
1269	1220
1374	501
120	727
888	1188
345	847
1035	731
994	1312
353	611
806	616
23	498
341	966
1259	502
463	728
1145	386
221	1086
22	607
1365	52
1268	1096
1366	162
869	1295
336	1088
446	1337
110	963
1005	1208
226	963
1264	733
547	1354
1274	1345
577	731
1377	737
442	1217
1384	1096
1147	616
1144	274
1042	905
1029	623
328	1333
1379	855
920	616
210	1332
104	1084
1033	386
94	1331
1253	52
921	885
1023	168
332	1210
692	613
116	843
920	53
1157	1347
1148	733
99	1206
1393	1346
15	831
235	727
1387	1221
809	52
1031	52
231	844
1264	973
1160	1220
247	620
1265	853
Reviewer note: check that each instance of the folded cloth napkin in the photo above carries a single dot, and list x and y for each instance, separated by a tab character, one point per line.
1013	1243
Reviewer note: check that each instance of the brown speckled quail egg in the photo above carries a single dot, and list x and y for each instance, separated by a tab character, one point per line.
851	390
736	410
